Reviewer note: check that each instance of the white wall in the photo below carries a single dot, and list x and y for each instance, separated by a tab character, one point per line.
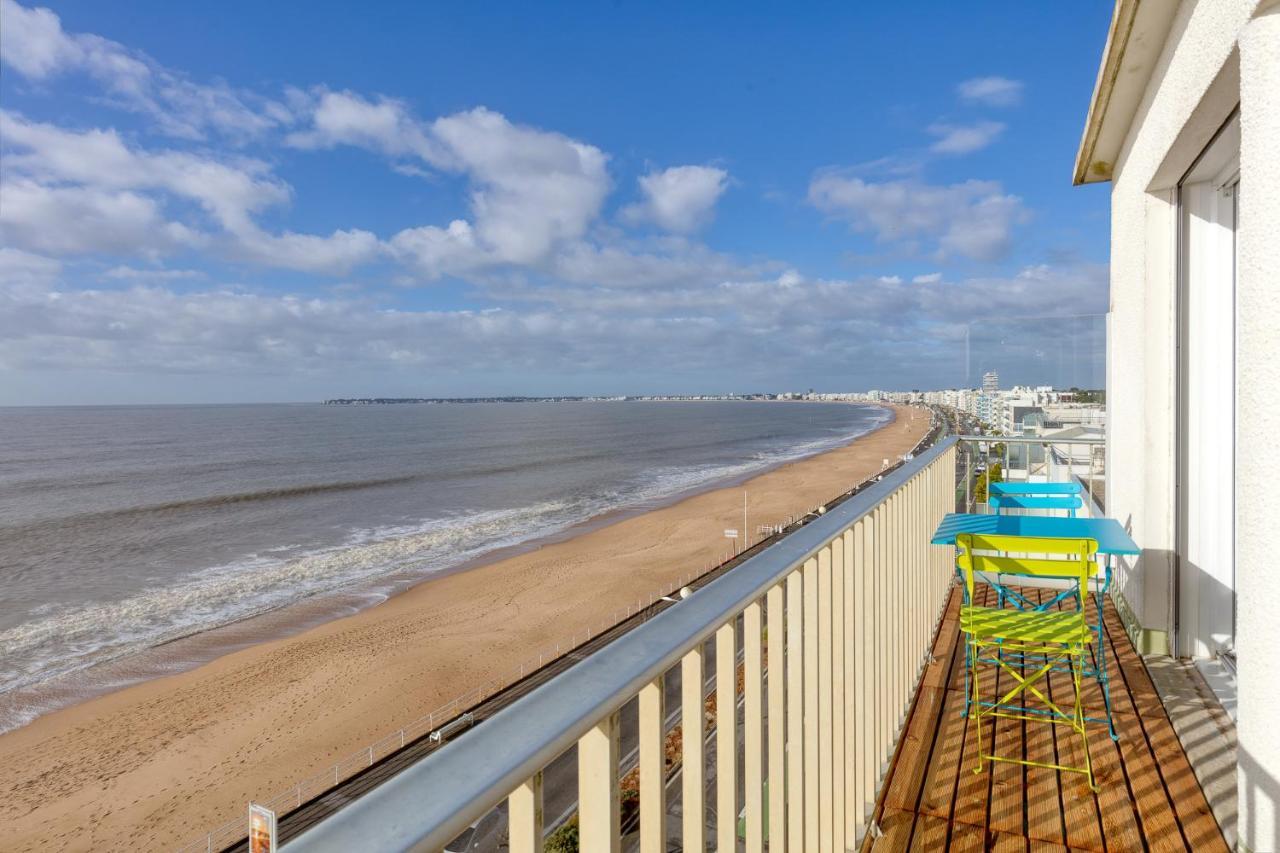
1258	433
1141	355
1217	56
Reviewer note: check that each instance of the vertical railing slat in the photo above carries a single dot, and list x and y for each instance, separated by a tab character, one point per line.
777	638
862	681
692	717
598	827
826	834
795	711
524	817
837	692
726	737
811	786
653	772
753	728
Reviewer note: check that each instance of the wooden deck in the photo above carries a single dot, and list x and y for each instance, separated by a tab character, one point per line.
1150	799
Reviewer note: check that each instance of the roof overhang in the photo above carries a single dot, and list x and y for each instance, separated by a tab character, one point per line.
1135	41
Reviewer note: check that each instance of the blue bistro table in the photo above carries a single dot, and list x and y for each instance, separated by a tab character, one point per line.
1107	532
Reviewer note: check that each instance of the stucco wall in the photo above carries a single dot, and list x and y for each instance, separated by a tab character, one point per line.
1218	54
1141	355
1258	430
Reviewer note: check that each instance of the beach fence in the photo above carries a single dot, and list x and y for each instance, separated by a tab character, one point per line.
447	715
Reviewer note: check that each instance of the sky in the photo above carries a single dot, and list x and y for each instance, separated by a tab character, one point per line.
253	202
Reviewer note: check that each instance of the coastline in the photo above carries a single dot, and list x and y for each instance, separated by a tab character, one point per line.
21	706
162	760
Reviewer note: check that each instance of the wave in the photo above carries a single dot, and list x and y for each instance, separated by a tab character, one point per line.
212	502
59	643
75	638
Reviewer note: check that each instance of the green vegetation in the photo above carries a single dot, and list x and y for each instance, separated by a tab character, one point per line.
564	839
1083	395
992	475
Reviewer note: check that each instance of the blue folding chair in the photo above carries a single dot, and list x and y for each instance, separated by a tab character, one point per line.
1041	496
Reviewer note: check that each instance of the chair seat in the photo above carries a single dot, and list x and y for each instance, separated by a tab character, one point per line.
1065	626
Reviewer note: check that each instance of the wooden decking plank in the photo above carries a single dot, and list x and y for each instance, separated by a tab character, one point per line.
973	789
895	831
1185	798
1044	800
913	753
930	834
1081	810
1007	809
1117	807
1006	842
967	839
938	797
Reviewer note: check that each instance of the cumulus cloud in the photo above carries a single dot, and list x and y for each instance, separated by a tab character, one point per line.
860	328
529	190
964	138
158	274
927	278
973	218
345	118
991	91
87	191
680	199
33	44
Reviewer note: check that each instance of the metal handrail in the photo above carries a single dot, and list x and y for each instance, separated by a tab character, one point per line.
1031	439
430	803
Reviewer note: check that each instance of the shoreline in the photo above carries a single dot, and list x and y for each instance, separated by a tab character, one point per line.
200	647
181	753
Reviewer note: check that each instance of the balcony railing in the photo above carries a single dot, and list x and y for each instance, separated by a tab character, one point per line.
1033	459
818	644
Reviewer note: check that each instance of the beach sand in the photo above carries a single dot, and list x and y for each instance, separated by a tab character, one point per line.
160	763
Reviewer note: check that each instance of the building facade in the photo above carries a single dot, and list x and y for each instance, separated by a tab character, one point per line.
1185	124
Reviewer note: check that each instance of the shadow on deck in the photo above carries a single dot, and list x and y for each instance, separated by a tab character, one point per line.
1150	798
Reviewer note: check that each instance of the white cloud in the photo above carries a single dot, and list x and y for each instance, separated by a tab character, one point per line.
927	278
531	189
890	279
964	138
681	198
991	91
89	192
973	218
159	274
76	220
33	43
785	321
345	118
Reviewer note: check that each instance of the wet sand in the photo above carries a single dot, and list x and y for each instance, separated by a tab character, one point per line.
160	763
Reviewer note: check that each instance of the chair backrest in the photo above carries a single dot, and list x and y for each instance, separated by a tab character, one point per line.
1043	489
1071	503
1028	556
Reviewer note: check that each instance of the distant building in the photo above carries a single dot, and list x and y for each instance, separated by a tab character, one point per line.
990	382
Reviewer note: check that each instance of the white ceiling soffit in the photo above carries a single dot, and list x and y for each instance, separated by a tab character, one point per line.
1134	43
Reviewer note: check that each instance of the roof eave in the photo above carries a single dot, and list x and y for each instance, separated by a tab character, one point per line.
1135	41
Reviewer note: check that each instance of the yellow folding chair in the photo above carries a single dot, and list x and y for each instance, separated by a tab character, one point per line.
1044	640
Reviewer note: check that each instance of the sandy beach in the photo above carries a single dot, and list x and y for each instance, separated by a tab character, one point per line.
159	763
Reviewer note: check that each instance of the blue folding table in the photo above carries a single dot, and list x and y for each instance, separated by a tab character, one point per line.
1107	532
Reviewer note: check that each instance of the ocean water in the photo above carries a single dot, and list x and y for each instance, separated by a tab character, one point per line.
124	528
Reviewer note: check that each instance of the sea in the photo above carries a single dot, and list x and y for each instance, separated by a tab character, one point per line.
140	540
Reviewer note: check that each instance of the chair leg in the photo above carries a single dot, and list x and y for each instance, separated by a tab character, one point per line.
976	702
1077	672
1104	677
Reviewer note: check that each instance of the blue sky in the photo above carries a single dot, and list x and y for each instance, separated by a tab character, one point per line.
254	202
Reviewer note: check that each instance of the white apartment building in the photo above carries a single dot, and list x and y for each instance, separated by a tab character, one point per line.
1185	124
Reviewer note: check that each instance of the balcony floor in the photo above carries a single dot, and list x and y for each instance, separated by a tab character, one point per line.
1150	797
